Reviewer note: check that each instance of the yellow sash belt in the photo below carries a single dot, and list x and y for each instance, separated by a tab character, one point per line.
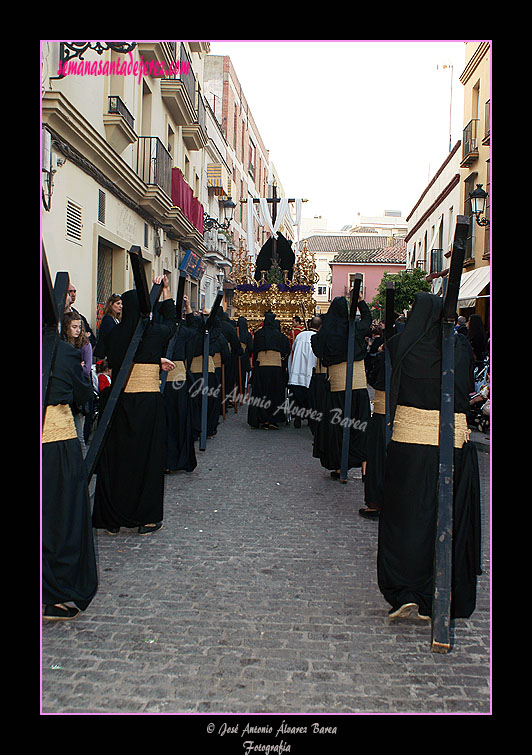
197	365
422	426
379	402
337	375
144	378
178	373
58	424
269	358
319	369
217	359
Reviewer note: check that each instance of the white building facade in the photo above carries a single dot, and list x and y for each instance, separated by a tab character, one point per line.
432	220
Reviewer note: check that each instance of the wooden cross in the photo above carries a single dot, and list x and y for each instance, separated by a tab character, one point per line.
274	200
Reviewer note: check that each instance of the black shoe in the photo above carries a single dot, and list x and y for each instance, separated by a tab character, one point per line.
297	422
335	475
59	612
112	531
369	513
147	529
273	426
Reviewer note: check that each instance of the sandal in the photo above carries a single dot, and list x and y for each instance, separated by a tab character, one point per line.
407	611
59	612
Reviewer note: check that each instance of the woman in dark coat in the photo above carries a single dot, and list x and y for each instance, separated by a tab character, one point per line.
69	570
268	381
407	521
330	346
130	472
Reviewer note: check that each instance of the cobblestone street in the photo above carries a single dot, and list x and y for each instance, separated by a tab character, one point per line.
258	596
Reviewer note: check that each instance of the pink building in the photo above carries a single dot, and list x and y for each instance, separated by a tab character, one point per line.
340	256
372	263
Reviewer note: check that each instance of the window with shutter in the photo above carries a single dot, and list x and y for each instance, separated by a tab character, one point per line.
101	206
74	221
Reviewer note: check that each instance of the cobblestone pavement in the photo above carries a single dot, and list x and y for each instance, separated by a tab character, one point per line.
258	596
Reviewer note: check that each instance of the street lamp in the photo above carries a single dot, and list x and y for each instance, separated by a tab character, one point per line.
478	204
229	208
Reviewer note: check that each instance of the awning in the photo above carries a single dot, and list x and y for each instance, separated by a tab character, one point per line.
215	179
471	285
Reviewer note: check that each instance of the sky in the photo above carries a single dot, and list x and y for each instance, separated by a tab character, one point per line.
352	126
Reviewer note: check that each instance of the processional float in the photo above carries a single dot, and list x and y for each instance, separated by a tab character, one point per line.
277	280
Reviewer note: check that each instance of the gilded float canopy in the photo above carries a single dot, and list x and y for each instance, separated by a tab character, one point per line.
285	292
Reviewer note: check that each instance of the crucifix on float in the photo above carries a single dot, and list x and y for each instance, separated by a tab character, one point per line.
270	252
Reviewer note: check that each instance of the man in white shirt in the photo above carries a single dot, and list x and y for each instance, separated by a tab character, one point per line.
301	363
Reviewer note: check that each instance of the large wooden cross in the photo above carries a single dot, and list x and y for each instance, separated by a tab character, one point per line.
273	200
147	301
53	305
443	561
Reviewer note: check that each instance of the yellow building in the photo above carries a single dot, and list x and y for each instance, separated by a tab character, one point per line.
475	170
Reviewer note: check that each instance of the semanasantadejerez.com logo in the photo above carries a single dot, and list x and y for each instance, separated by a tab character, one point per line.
122	67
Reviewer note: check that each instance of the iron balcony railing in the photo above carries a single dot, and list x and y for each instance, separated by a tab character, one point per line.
116	106
202	112
470	141
186	74
436	260
154	163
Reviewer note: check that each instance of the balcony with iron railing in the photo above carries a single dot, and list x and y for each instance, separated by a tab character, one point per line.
195	134
116	106
178	89
153	163
487	112
470	143
436	260
119	124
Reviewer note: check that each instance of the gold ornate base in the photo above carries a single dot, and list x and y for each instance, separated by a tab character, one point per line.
284	304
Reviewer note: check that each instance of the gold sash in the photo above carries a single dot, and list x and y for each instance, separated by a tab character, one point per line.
243	346
217	359
177	374
422	426
379	402
269	358
337	376
319	369
144	378
58	424
197	365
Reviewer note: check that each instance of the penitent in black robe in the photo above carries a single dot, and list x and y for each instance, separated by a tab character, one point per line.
130	472
180	451
69	570
376	439
228	330
407	522
268	382
213	390
246	342
330	346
